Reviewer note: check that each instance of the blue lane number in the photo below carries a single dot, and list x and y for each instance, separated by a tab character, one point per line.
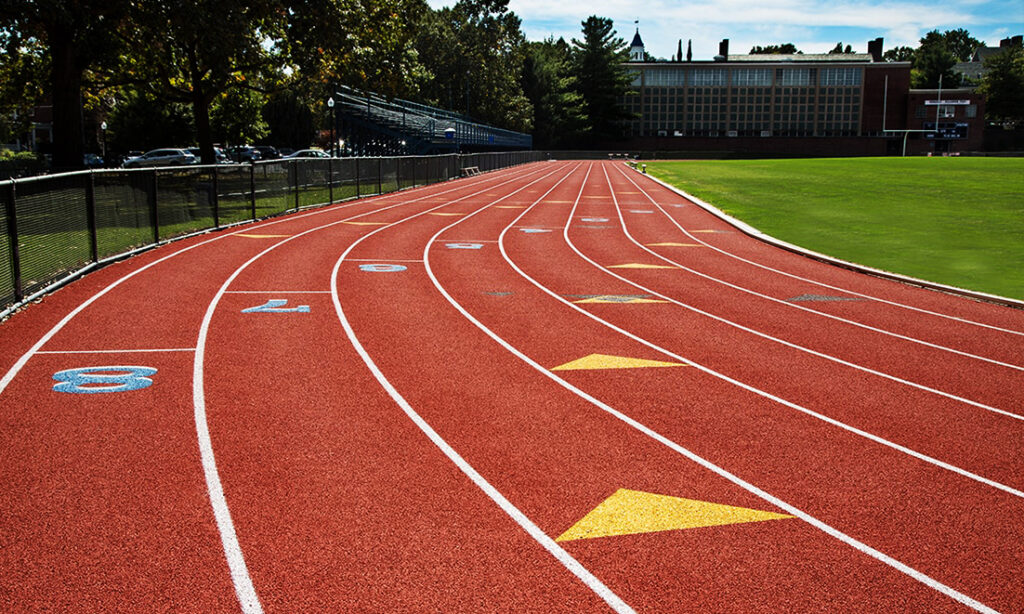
92	380
381	268
276	305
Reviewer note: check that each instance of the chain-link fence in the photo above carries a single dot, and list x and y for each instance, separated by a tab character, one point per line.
54	227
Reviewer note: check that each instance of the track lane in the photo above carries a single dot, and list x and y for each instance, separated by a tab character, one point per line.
976	316
573	278
74	456
546	471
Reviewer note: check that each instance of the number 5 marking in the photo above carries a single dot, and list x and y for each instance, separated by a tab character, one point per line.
276	306
91	380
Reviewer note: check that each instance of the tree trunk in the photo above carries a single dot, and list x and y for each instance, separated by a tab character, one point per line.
201	114
66	81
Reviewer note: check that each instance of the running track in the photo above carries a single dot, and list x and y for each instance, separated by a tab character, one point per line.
407	434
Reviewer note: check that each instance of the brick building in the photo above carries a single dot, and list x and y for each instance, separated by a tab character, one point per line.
801	104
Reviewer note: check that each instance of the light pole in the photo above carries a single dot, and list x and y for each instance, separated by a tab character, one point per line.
334	122
103	127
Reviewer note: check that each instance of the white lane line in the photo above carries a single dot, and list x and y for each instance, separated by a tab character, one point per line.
788	344
278	292
713	211
790	509
8	377
244	588
506	506
803	308
852	429
116	351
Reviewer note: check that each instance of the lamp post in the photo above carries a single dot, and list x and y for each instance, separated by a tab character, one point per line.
103	127
334	122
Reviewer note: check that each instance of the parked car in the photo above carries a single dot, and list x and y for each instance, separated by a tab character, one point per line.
309	153
244	153
285	151
91	160
267	152
219	154
161	157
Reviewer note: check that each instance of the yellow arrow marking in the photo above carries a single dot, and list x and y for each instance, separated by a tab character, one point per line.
636	265
447	214
675	245
248	236
509	206
606	361
619	299
709	231
368	223
628	512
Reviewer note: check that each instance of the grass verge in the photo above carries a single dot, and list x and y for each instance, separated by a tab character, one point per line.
955	221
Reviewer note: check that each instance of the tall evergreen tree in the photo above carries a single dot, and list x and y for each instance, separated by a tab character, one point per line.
602	78
549	84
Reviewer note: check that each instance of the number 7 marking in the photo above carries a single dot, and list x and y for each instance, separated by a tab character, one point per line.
276	306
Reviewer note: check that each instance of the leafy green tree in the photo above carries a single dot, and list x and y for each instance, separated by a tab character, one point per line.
602	78
549	84
236	117
142	121
195	51
899	54
932	61
1003	87
23	68
839	49
961	44
289	118
786	49
475	51
76	35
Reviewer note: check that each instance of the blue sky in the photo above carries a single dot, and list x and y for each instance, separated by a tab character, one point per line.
814	26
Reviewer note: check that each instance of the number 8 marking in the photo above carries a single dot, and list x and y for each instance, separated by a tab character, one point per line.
91	380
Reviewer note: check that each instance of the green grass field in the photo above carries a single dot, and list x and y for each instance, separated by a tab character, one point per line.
956	221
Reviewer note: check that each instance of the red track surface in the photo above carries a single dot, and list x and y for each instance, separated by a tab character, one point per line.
404	444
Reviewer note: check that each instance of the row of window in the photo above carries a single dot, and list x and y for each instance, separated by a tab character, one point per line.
846	76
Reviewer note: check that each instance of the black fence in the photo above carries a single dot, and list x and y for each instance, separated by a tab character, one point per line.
55	227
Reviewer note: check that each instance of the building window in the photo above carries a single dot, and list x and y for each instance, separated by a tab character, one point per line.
663	77
794	77
707	77
971	111
840	76
751	76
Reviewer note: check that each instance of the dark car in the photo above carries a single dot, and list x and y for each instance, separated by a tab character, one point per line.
244	153
267	152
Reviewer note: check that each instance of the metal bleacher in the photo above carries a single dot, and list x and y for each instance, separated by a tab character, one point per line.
373	125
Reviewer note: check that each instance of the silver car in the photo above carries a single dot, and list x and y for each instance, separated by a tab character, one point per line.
161	157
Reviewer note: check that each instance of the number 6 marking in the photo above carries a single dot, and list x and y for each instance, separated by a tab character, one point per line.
91	380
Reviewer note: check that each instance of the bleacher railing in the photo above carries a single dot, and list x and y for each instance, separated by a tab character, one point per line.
54	228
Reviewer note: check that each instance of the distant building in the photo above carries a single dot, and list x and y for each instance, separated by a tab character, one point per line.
974	69
800	104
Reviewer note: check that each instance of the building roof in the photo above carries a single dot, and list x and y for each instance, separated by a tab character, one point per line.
801	57
636	40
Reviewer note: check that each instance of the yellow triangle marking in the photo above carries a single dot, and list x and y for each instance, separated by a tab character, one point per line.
636	265
251	236
629	512
618	299
675	245
368	223
606	361
447	214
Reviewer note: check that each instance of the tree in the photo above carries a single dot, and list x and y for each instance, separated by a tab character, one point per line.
839	49
602	78
197	50
784	49
475	51
143	121
76	35
23	69
236	117
549	84
899	54
932	61
1003	86
289	118
961	44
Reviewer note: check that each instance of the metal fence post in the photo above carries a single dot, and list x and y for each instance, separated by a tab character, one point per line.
380	175
90	216
295	175
357	177
12	239
252	189
216	198
154	212
330	180
398	173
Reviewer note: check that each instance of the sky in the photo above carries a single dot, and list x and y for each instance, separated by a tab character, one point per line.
814	26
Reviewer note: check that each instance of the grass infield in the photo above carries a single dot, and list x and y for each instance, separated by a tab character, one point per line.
955	221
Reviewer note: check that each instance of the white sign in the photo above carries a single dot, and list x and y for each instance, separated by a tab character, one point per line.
935	103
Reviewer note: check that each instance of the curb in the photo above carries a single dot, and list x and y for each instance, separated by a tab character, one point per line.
859	268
